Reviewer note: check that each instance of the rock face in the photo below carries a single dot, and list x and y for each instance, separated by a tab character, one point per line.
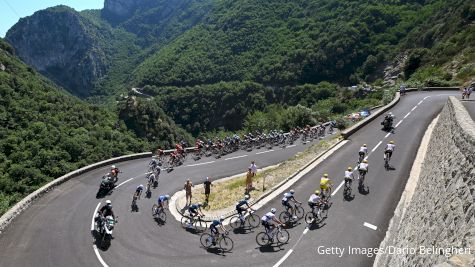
441	215
59	43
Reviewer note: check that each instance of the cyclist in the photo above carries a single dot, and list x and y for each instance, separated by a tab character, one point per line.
240	209
268	218
154	163
349	176
114	172
138	191
194	210
315	200
389	149
285	202
214	228
151	179
363	151
363	168
161	200
325	183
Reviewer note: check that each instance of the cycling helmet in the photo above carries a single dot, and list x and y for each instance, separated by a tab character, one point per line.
109	203
292	191
325	175
141	186
221	218
365	161
317	192
199	204
167	196
364	145
273	210
350	169
113	167
247	197
391	142
390	113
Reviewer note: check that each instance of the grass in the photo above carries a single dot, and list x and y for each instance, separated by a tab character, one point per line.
226	193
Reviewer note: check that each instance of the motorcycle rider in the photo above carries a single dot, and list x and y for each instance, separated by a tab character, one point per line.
114	172
389	118
105	211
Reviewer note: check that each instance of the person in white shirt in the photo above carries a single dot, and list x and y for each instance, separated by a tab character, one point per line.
363	152
389	149
314	200
253	168
349	176
363	167
268	218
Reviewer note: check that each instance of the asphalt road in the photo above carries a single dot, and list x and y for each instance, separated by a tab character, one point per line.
56	230
470	107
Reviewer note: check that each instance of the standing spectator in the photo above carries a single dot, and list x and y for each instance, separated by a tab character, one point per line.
187	187
249	180
464	92
469	91
207	186
253	168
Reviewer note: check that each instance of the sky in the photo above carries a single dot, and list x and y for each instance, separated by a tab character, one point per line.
12	10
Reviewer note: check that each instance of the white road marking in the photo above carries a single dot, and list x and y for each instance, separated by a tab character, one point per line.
398	124
305	231
426	97
236	157
413	108
264	152
283	258
125	182
407	115
374	227
420	102
380	142
191	165
386	136
290	146
94	215
104	264
338	188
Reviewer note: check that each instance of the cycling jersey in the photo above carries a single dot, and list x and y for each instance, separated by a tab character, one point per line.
268	217
162	199
390	147
287	197
151	177
193	208
363	167
348	174
139	189
241	203
324	183
215	223
364	150
314	199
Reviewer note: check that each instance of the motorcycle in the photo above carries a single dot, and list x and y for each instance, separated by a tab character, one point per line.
107	184
105	227
387	124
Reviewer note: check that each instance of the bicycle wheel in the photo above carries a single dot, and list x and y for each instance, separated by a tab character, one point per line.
162	216
285	216
253	220
185	222
282	236
263	239
310	217
154	210
226	244
299	212
200	225
235	222
206	240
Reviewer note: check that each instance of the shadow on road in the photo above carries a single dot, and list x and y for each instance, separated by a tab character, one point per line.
217	251
271	248
316	226
243	230
364	190
100	244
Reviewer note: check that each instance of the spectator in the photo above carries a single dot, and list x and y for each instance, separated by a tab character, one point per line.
207	186
249	180
187	187
253	168
469	91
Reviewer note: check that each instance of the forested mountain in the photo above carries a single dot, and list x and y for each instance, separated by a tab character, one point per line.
45	132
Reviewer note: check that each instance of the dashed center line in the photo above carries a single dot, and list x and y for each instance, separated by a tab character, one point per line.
124	182
264	152
338	188
420	102
305	231
198	164
407	115
374	149
386	136
398	124
413	108
283	258
374	227
236	157
290	146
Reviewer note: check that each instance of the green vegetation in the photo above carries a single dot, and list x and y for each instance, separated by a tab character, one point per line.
45	133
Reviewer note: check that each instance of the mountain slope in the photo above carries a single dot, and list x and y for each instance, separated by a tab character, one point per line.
44	132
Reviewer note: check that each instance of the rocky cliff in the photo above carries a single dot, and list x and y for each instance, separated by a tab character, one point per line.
60	44
437	226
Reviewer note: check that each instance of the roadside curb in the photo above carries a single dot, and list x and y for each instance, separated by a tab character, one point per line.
23	204
286	182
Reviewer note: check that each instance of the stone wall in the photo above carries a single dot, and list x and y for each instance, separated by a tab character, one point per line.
441	212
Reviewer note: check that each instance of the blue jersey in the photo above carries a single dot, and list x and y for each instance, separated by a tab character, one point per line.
193	207
242	203
162	198
215	223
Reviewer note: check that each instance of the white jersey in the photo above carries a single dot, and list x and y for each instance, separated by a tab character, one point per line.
364	149
269	216
348	174
390	147
363	166
314	199
287	197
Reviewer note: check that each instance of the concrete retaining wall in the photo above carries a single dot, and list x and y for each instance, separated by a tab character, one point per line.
441	213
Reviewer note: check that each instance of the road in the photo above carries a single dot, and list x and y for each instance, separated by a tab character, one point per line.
470	107
56	230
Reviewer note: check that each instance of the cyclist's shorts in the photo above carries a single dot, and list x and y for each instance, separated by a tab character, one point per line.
323	186
312	205
213	229
286	204
239	209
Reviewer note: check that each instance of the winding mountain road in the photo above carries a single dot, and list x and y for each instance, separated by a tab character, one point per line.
56	229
